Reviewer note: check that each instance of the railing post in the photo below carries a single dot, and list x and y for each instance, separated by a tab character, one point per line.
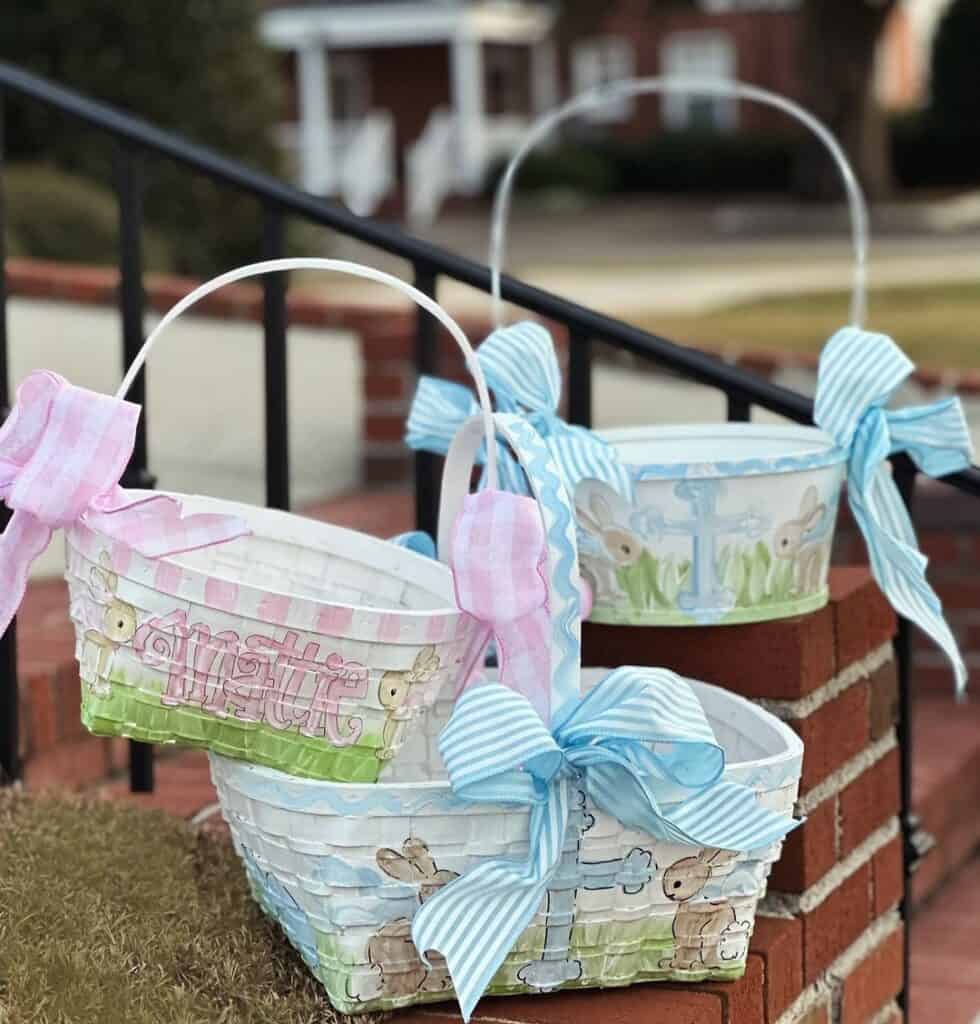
580	351
426	362
129	192
916	842
739	410
276	364
9	690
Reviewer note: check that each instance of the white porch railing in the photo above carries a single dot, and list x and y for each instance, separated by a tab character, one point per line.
431	169
360	166
367	163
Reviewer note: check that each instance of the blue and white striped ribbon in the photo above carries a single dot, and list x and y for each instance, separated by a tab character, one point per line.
859	373
523	373
497	750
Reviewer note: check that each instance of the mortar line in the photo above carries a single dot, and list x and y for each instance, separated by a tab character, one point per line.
811	898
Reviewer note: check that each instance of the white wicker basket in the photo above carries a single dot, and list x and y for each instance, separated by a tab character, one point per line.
301	646
344	868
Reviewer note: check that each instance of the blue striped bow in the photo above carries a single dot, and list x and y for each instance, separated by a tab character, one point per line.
859	373
497	750
522	372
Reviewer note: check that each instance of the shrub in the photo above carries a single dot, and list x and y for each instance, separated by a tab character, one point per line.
567	166
193	66
51	215
701	162
954	108
678	162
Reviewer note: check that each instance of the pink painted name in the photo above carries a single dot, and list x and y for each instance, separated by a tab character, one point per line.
258	680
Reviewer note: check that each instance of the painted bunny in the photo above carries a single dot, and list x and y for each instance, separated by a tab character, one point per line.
707	933
396	970
395	692
619	546
118	622
804	540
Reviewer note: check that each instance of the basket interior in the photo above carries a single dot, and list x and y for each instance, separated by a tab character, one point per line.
303	558
706	443
744	730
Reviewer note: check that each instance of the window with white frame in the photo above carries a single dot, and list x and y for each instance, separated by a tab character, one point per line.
707	54
599	60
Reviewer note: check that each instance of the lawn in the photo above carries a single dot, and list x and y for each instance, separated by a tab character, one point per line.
937	325
118	915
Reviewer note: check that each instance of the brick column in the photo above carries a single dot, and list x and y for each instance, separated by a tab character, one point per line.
388	355
829	935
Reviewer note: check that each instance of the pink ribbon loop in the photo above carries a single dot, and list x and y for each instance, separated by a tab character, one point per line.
499	559
63	451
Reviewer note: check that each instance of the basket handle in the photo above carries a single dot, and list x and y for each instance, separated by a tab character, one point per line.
603	94
342	267
555	506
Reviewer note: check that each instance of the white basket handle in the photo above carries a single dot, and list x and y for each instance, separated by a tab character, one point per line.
558	516
628	87
342	267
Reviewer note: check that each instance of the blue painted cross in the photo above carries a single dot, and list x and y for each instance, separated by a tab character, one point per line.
703	595
632	872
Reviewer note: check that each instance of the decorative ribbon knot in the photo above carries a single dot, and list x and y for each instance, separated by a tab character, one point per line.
522	371
638	746
498	553
63	451
858	375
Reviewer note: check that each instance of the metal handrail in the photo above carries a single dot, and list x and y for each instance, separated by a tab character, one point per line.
135	137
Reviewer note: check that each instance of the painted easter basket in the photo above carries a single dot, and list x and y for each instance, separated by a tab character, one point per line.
723	523
729	522
345	869
301	646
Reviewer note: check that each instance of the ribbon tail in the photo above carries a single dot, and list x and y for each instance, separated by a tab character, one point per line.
416	540
936	436
155	526
23	541
475	921
726	815
899	567
439	409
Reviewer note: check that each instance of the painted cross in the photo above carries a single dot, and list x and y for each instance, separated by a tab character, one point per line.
632	872
703	595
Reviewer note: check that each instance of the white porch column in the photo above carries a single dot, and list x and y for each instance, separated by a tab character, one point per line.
466	58
313	91
544	76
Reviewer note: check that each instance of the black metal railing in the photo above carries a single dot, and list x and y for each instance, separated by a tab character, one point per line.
136	140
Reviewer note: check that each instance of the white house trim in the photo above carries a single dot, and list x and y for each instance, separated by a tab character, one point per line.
408	24
313	94
466	72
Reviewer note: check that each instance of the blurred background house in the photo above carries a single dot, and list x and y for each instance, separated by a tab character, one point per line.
421	100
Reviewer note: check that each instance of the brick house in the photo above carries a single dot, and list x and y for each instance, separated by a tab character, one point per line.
423	97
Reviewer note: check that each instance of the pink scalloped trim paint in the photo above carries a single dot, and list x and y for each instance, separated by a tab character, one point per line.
221	594
167	578
274	608
334	619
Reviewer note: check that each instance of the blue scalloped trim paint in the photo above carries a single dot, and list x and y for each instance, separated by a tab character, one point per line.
550	492
831	456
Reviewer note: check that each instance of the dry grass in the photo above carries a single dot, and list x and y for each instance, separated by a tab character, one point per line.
116	915
937	325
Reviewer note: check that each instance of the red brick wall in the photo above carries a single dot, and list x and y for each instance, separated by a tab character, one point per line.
765	43
830	934
410	81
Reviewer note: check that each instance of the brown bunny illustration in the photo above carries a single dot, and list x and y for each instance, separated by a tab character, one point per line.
393	693
707	933
118	625
621	547
396	969
802	540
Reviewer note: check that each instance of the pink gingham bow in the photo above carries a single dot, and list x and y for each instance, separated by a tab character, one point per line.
63	450
499	559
